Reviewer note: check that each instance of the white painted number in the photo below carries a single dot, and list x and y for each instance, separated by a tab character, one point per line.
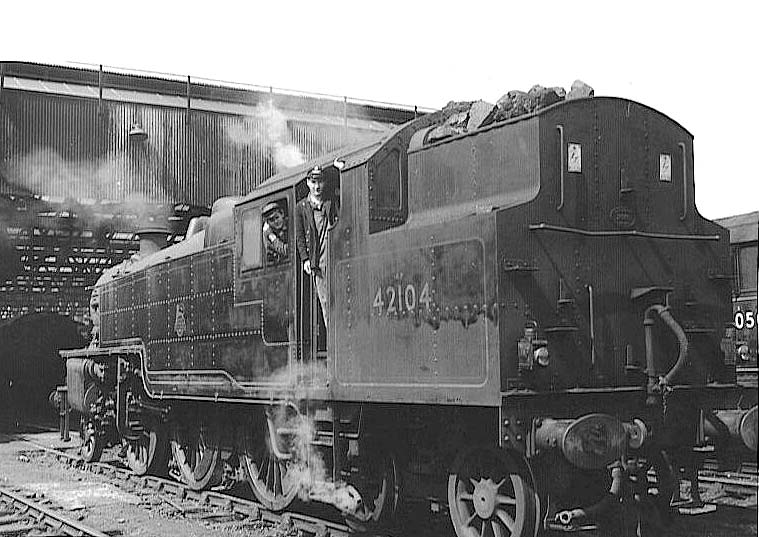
391	302
410	296
424	298
398	299
378	303
744	320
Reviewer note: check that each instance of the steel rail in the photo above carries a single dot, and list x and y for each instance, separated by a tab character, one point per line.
740	479
747	467
31	511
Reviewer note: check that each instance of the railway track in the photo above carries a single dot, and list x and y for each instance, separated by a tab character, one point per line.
24	516
208	506
735	488
738	479
742	484
747	468
227	509
745	474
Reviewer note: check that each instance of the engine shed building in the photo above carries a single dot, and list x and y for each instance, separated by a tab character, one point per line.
88	155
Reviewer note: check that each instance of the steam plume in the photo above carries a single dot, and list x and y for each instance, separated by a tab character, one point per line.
46	173
267	128
309	470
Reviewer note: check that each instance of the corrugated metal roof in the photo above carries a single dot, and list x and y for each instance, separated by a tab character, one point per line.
743	227
173	101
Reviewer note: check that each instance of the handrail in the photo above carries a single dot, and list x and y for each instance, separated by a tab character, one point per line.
592	327
621	233
685	181
560	128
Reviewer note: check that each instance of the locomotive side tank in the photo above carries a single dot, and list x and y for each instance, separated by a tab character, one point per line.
529	226
527	321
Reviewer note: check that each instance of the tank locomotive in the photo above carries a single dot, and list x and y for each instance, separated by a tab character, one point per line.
528	326
744	229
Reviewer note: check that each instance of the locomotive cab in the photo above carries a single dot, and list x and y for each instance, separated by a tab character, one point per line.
269	272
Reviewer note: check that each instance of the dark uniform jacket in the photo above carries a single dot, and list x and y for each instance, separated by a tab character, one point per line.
306	236
275	241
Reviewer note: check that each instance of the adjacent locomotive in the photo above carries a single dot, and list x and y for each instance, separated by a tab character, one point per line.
528	323
744	229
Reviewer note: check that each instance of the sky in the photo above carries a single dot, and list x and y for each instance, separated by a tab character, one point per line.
694	61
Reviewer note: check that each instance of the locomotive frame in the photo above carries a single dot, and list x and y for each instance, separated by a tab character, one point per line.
527	318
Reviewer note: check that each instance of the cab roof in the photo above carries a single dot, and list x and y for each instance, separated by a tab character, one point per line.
352	156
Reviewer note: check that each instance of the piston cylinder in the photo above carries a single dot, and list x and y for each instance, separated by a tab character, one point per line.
591	441
740	424
81	375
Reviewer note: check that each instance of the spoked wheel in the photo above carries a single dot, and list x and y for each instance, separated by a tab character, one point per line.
379	490
195	450
271	474
490	496
92	441
147	454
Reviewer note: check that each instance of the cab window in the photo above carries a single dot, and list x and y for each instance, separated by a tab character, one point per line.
747	275
251	255
388	182
388	206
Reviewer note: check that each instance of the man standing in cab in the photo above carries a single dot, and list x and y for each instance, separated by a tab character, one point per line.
315	216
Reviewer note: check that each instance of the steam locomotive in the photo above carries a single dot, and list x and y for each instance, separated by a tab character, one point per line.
744	229
528	325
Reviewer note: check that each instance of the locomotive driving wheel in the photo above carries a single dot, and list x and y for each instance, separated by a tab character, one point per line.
379	488
196	453
270	472
148	452
92	441
489	495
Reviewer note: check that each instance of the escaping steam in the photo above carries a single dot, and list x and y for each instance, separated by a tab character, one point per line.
44	171
110	179
267	128
308	469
